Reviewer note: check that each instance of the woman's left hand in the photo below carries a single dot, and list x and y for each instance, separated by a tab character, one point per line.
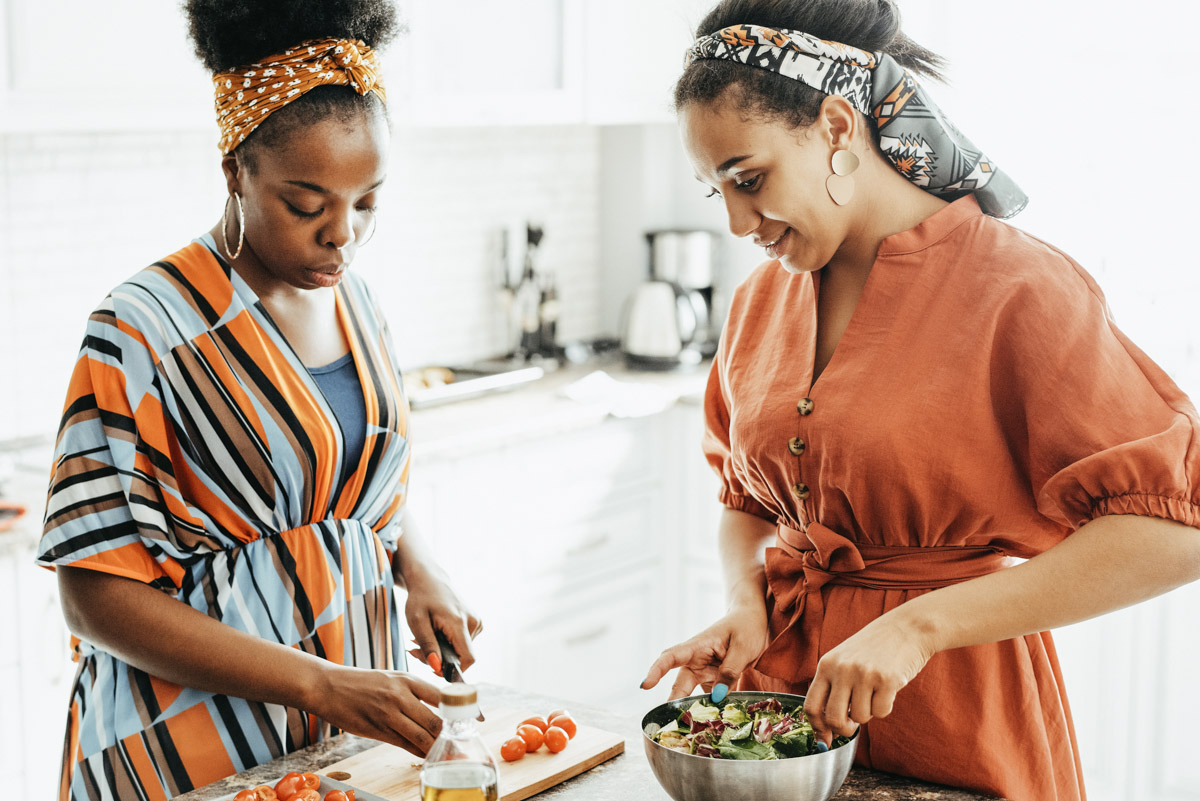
858	680
431	605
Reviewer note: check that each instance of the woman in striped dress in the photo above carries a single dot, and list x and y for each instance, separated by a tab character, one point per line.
227	507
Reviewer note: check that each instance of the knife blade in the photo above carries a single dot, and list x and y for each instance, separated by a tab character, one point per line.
451	670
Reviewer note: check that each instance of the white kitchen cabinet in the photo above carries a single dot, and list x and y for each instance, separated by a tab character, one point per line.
569	545
635	54
478	62
10	733
8	606
595	644
600	62
35	672
70	65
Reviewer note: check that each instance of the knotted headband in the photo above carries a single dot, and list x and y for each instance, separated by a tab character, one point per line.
914	134
248	95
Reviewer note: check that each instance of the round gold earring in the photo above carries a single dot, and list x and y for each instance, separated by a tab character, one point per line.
241	228
840	184
371	233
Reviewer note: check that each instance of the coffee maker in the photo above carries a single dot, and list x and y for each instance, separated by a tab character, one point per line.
669	320
688	259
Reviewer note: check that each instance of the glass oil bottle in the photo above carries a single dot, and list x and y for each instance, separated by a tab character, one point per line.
459	766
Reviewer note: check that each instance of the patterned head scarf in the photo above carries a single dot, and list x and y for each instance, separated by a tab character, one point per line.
915	136
248	95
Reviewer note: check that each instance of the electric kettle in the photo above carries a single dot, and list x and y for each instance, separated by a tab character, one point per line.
659	324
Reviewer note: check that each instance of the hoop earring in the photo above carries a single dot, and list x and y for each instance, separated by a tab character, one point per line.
840	185
371	233
241	228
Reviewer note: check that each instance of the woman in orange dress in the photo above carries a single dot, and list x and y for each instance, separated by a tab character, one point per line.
933	441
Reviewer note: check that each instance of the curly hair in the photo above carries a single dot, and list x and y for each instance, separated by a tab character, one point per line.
872	25
233	33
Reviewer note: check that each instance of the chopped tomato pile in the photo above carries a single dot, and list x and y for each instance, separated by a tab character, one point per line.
293	787
553	731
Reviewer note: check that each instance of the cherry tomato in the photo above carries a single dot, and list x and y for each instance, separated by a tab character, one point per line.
288	786
311	780
349	795
536	720
307	794
335	795
566	723
266	793
532	736
557	713
556	739
246	795
513	749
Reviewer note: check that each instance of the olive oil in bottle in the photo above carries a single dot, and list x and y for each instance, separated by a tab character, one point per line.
459	766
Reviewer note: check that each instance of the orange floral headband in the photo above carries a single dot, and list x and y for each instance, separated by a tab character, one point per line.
248	95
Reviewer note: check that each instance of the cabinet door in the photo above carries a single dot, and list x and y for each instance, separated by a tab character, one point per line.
74	64
46	672
479	62
593	646
635	52
11	765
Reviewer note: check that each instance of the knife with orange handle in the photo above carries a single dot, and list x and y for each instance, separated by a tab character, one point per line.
451	670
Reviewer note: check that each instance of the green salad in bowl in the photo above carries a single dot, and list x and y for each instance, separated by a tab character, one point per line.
739	728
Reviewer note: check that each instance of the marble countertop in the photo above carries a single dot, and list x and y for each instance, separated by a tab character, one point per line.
626	776
540	409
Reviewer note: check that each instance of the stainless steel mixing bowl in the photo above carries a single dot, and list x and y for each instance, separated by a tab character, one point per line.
691	778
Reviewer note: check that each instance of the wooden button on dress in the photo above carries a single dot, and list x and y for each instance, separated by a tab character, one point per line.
796	446
801	491
805	406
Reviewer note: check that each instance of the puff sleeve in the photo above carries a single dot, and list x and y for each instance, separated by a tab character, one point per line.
1097	426
101	512
717	449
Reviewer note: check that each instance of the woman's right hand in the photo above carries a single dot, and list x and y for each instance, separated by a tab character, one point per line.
716	656
384	705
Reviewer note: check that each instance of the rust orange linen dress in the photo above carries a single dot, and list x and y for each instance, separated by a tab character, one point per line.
980	405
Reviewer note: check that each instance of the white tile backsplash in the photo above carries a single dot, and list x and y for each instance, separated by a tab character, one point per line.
79	213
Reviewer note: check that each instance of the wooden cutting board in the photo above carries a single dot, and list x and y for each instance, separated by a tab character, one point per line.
394	774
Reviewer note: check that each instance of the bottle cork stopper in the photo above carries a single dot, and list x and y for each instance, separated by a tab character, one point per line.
459	695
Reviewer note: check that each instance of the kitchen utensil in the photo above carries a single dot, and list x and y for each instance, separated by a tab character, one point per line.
692	778
394	774
659	323
451	668
689	259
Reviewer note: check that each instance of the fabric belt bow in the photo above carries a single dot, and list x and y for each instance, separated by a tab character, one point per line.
803	562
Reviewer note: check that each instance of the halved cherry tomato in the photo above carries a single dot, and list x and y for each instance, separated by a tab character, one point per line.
307	794
513	749
532	736
556	739
335	795
311	780
566	723
266	793
246	795
536	720
288	786
556	713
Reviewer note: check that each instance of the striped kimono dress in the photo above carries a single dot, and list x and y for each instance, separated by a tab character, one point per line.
197	454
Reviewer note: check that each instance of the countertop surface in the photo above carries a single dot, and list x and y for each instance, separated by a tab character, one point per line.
627	776
541	409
